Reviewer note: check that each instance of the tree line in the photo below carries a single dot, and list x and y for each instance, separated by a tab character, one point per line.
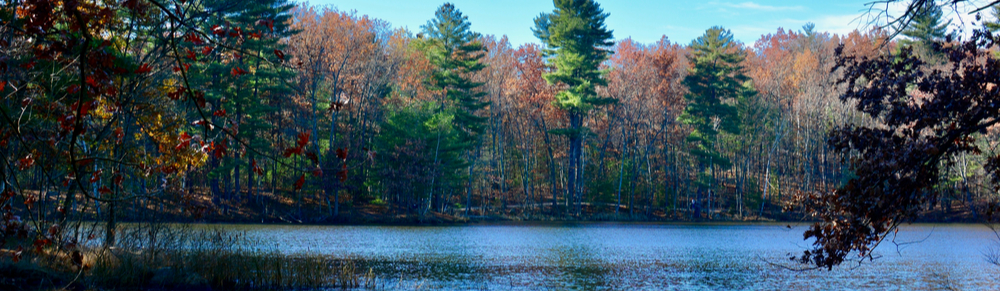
115	110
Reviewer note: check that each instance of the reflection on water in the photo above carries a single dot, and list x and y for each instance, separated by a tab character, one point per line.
639	256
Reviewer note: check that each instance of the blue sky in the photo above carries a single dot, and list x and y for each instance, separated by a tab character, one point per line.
643	20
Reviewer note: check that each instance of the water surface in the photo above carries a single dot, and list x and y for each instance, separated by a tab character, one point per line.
601	256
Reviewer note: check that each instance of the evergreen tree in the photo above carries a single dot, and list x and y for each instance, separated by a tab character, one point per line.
244	82
455	52
993	25
716	85
577	43
925	28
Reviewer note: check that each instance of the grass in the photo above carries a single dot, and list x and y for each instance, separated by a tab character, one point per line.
158	256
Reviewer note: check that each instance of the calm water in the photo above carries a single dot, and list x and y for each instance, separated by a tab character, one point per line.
640	256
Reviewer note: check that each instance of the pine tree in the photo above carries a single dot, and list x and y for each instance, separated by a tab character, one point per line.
926	28
244	82
455	51
577	43
716	85
993	25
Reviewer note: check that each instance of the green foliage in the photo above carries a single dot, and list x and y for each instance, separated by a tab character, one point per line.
716	86
578	42
994	24
456	53
408	141
244	87
925	28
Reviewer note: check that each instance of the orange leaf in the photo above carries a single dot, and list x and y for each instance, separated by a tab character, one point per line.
185	141
29	202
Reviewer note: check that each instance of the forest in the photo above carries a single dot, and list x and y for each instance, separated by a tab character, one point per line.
140	111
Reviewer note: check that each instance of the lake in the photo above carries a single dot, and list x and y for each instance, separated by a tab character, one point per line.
600	256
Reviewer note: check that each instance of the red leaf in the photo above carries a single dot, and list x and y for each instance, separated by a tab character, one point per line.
219	31
193	38
220	150
220	113
317	172
96	176
206	50
312	156
342	154
237	71
342	175
25	162
298	184
178	69
72	89
16	256
267	22
118	179
185	141
280	54
28	65
176	94
104	190
190	55
144	68
4	83
256	169
304	138
83	109
84	162
199	98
